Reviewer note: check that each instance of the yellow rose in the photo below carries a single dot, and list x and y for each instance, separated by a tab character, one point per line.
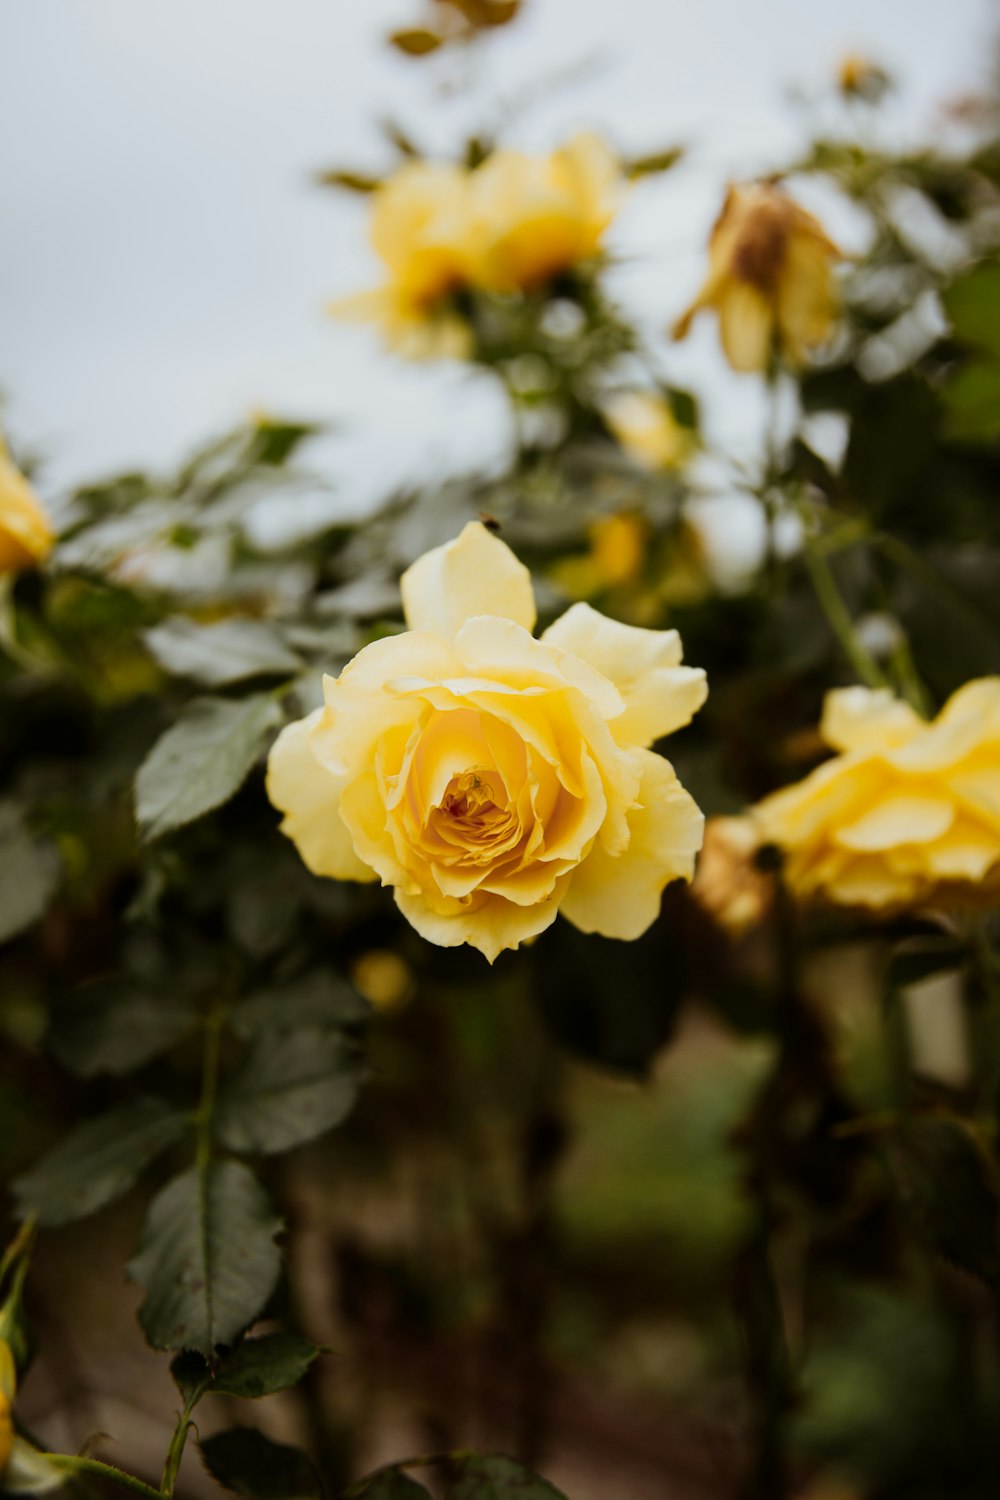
420	230
907	812
25	533
770	279
491	778
648	430
534	216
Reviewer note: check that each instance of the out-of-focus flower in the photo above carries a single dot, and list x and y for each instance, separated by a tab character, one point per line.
615	557
534	216
420	229
859	77
491	778
25	531
728	883
385	979
770	279
24	1470
648	430
907	812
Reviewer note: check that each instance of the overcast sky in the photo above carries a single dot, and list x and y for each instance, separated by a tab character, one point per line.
165	256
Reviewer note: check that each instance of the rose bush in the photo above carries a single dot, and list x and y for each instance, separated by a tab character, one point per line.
908	811
490	778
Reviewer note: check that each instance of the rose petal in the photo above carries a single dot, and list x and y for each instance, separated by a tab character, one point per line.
477	574
309	796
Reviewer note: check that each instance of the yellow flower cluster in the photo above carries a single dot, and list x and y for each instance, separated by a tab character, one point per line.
25	532
508	225
907	812
490	778
770	279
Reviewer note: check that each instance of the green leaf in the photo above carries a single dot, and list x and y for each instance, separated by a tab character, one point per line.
972	402
972	304
250	1464
490	1476
208	1258
654	162
292	1087
416	41
388	1484
947	1184
97	1162
256	1367
201	760
30	870
319	998
222	652
116	1027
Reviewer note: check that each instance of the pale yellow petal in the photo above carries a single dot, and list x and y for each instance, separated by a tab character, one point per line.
746	326
902	818
619	896
477	574
491	926
309	796
26	534
659	694
511	654
860	718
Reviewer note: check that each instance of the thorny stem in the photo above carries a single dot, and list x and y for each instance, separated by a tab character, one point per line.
99	1470
178	1440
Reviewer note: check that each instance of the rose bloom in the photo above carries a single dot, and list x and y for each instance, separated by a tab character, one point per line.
907	812
770	279
535	216
490	778
647	429
25	533
420	229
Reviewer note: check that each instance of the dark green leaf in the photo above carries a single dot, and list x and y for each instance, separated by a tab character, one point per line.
972	402
116	1027
972	304
293	1086
250	1464
946	1181
201	760
256	1367
98	1161
387	1484
222	652
208	1258
490	1476
920	957
29	873
319	998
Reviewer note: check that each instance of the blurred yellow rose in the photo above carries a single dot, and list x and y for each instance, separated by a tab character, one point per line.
534	216
491	778
24	1470
770	279
25	532
909	811
647	429
420	230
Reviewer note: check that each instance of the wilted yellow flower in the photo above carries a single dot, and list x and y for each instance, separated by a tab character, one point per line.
648	430
534	216
25	532
909	811
420	229
770	279
491	778
728	883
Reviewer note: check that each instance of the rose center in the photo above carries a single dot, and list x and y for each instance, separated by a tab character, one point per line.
469	795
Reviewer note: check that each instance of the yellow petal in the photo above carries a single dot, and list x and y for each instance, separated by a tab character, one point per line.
619	896
510	653
309	796
903	818
8	1372
860	718
491	926
746	326
807	300
659	694
25	532
477	574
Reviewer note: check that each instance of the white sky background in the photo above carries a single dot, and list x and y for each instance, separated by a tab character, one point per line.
165	256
